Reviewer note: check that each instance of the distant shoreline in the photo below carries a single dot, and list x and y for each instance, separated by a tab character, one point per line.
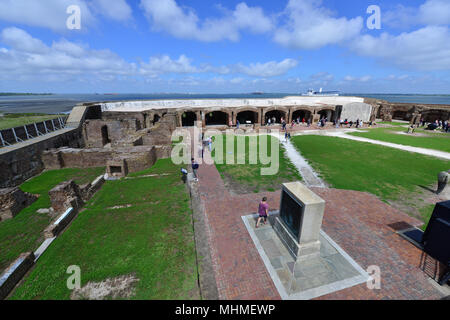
8	94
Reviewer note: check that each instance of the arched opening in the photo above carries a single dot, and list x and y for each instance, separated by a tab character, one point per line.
275	115
433	115
299	115
156	119
327	114
188	119
399	115
216	118
105	135
247	117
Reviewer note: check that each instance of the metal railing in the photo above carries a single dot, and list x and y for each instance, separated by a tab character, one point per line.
56	124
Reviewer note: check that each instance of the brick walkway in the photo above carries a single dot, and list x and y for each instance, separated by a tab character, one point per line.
358	222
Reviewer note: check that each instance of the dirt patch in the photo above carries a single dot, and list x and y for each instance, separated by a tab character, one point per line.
239	188
120	207
122	287
412	203
415	134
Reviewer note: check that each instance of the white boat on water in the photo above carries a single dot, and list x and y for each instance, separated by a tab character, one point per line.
320	93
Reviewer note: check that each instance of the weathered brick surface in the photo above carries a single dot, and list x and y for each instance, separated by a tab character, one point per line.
54	230
14	273
12	201
64	191
358	222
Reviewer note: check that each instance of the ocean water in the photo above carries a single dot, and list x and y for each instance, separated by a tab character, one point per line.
63	103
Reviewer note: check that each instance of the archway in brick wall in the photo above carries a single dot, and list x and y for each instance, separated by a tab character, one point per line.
247	116
156	119
327	113
301	114
216	118
277	114
399	115
188	119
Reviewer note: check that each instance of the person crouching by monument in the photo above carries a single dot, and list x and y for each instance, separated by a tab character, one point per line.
195	167
263	212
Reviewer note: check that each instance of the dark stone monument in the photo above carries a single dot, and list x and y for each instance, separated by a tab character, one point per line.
300	220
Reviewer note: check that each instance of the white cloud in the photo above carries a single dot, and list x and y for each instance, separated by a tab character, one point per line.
49	14
268	69
28	56
311	26
25	56
435	12
164	64
52	14
168	16
358	79
117	9
424	49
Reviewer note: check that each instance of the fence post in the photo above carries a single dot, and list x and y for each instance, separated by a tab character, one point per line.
15	136
45	126
26	131
37	131
4	143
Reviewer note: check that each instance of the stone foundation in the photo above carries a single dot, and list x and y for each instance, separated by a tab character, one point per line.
12	201
14	273
62	222
66	195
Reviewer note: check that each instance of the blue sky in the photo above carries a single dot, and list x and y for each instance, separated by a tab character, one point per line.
151	46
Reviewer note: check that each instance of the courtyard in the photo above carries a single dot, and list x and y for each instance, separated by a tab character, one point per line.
142	237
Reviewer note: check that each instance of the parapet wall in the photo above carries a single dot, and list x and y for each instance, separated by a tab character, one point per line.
137	158
23	162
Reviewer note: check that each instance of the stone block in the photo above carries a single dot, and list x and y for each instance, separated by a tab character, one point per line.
300	221
63	220
66	195
14	273
13	200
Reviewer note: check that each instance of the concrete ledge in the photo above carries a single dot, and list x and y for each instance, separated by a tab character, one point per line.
207	279
55	229
14	273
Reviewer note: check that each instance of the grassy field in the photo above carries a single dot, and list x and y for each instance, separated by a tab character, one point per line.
150	236
388	173
247	177
12	120
439	142
24	232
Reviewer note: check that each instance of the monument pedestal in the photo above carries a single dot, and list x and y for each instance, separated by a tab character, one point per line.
300	221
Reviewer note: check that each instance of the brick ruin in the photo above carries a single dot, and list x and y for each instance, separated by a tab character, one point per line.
12	201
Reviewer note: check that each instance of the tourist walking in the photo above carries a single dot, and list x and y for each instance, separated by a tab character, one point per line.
210	144
263	212
237	124
195	167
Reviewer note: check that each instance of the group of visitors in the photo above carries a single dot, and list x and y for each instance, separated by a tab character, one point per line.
345	123
438	124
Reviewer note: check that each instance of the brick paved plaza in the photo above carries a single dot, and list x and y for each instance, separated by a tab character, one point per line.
358	222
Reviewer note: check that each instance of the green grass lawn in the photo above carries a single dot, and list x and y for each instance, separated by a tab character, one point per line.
437	142
151	239
248	177
389	173
393	123
12	120
24	232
